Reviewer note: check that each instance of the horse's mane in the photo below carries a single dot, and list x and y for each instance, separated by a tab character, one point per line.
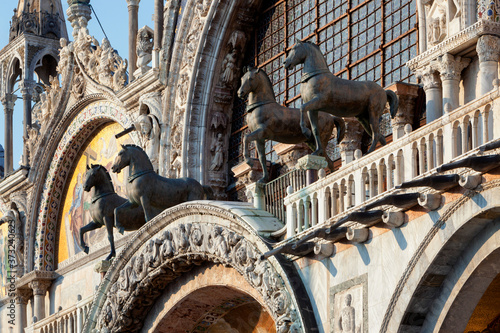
313	44
268	80
99	166
130	145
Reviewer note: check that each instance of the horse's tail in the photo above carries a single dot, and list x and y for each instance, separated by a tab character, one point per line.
209	192
340	125
393	102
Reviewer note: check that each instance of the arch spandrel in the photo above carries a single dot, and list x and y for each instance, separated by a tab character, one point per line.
185	237
84	125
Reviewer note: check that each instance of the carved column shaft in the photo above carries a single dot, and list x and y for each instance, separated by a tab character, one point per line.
158	33
8	104
433	96
450	68
22	297
27	92
133	27
39	290
488	50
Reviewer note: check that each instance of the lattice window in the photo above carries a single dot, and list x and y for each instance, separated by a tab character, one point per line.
361	40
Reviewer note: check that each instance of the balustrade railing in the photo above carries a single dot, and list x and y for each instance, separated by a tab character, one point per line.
275	191
410	156
69	320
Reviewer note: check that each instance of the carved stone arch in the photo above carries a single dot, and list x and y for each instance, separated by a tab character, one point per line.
184	237
47	51
64	145
11	73
434	259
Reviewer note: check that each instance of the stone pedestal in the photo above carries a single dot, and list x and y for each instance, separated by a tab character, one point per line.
311	164
488	50
289	154
247	174
102	266
352	140
256	192
407	96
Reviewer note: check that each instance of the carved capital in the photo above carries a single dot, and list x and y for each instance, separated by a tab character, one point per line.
450	67
23	296
488	48
40	286
27	87
8	102
429	77
133	3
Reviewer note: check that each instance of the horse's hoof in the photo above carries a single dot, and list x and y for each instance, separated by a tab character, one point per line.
317	153
262	181
86	249
121	230
111	256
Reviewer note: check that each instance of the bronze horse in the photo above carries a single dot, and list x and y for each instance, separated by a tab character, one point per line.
151	191
268	120
102	207
323	91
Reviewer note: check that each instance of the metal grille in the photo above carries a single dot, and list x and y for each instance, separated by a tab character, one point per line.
361	40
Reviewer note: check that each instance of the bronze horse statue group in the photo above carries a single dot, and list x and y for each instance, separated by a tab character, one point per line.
149	194
268	120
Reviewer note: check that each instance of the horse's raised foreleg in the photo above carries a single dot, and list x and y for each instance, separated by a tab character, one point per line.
313	118
311	108
261	149
89	227
252	136
109	227
120	213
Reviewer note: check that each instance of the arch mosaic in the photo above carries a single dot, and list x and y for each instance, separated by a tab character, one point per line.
457	215
182	238
90	118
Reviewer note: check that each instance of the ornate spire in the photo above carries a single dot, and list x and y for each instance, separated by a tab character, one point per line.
38	17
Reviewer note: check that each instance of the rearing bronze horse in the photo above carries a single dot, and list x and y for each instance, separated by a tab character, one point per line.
268	120
323	91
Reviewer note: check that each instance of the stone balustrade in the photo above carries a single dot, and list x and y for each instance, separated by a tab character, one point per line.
413	155
69	320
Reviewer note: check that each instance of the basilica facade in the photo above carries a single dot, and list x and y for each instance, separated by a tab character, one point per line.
405	238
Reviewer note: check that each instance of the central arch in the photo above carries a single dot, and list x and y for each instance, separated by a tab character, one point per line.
192	247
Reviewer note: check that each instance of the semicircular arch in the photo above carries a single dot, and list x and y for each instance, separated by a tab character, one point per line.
83	125
184	237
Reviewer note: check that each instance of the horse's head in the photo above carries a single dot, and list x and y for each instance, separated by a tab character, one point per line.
248	82
121	160
92	177
296	55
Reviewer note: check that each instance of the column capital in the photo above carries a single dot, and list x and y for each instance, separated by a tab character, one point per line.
133	2
26	87
429	76
23	295
488	48
450	67
8	101
40	286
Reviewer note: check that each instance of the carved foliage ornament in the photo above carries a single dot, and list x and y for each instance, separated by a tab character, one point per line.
175	251
488	48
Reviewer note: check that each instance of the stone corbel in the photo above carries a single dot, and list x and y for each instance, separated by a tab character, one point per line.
393	219
324	249
430	201
357	235
470	182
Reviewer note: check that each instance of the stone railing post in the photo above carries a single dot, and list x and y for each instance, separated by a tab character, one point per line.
488	50
311	164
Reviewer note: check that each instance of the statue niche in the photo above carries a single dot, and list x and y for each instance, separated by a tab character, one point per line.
102	207
149	190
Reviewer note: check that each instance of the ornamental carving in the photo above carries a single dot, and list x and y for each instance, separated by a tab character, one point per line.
488	48
450	67
176	250
429	76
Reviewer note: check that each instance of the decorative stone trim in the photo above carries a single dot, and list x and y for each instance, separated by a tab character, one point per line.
170	245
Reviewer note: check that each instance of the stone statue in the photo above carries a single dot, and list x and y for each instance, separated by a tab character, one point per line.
229	67
144	49
266	118
149	131
151	191
347	322
323	91
218	149
102	207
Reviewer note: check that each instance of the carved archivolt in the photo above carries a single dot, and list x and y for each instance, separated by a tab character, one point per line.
138	277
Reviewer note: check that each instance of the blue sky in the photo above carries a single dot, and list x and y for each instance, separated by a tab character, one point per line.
113	15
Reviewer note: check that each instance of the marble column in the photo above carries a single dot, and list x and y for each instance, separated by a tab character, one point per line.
158	33
133	27
22	298
27	92
39	290
433	95
8	102
449	68
488	50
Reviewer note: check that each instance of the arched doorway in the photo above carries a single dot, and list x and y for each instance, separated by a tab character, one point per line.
211	298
